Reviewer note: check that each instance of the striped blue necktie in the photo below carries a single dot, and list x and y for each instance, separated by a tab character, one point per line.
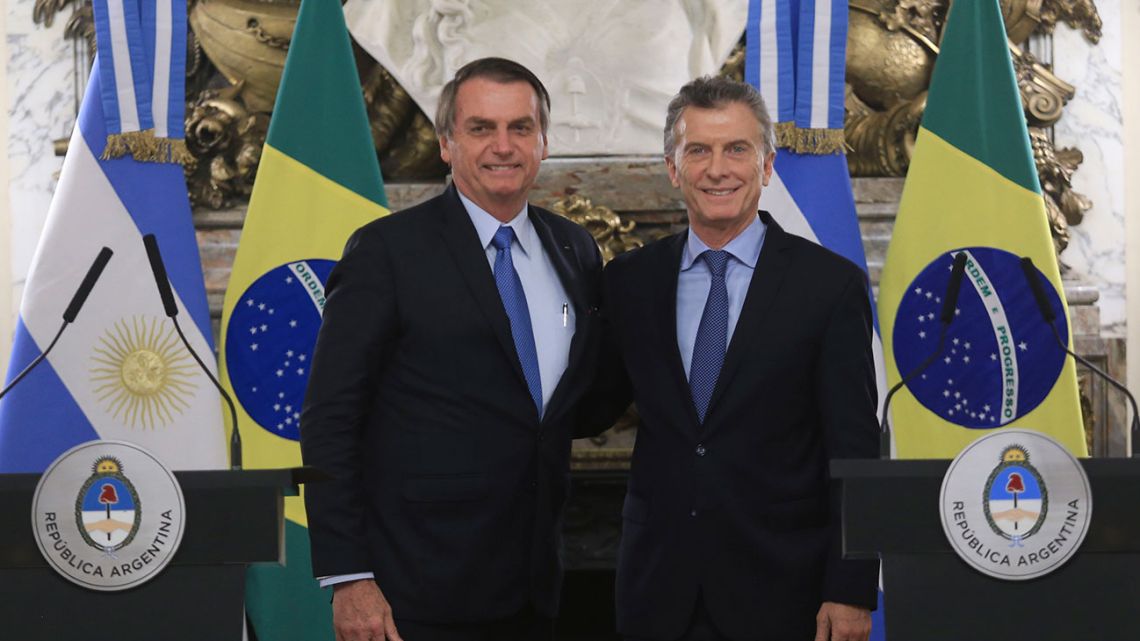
712	335
514	300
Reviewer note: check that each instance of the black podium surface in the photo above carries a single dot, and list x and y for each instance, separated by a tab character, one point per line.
891	508
233	518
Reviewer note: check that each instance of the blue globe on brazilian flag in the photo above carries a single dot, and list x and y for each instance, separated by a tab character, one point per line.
972	187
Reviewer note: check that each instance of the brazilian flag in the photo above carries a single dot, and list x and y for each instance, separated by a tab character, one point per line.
972	187
318	181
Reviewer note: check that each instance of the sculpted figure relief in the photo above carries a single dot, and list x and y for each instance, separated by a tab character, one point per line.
611	66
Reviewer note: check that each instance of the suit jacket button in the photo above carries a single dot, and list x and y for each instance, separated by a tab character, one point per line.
693	512
700	450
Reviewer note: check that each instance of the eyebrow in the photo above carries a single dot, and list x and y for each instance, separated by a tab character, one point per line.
476	120
741	141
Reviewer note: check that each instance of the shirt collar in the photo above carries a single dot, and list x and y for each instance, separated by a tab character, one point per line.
744	248
486	225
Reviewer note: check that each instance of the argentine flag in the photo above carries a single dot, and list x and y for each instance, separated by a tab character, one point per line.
796	57
119	371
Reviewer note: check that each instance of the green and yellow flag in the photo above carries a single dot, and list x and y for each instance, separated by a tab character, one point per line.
318	181
973	187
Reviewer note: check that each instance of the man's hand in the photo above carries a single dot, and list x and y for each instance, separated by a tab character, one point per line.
361	613
840	622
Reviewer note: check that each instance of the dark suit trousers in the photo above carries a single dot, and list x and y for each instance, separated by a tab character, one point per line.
527	625
701	627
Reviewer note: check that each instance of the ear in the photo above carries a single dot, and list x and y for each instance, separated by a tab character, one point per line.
445	153
671	165
545	147
766	168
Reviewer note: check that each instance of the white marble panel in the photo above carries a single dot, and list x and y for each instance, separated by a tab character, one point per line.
41	105
1093	123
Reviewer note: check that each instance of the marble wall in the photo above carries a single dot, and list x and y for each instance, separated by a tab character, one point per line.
1093	122
6	304
1130	50
41	105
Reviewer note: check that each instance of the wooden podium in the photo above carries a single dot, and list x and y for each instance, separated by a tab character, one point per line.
233	518
890	508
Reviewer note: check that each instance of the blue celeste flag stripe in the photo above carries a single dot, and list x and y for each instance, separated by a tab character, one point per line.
810	194
122	42
785	39
55	426
164	36
768	47
829	212
805	61
838	64
81	392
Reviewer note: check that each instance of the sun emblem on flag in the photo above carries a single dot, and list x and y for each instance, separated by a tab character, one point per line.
142	374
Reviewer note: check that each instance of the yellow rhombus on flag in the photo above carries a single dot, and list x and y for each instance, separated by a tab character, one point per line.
973	187
318	181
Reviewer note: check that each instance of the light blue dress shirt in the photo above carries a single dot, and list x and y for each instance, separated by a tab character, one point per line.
551	313
694	281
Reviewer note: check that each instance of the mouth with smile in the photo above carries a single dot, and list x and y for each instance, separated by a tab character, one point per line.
502	168
720	191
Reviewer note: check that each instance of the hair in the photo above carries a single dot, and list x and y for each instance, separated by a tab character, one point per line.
496	69
715	92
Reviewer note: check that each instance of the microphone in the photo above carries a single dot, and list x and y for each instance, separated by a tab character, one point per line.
1047	314
158	268
69	314
949	304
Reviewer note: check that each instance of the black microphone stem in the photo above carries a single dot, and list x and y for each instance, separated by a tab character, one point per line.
884	426
1109	379
235	438
949	307
28	370
1050	317
69	314
166	293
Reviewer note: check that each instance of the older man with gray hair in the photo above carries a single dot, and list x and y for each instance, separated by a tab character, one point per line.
748	353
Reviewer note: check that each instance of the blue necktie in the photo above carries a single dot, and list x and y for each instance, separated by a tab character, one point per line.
514	300
712	335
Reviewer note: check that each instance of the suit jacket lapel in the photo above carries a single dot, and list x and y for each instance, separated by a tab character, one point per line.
767	278
666	310
471	261
566	264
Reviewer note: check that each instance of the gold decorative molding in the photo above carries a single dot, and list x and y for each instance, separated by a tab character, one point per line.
1043	94
1078	14
225	140
608	229
1055	167
247	40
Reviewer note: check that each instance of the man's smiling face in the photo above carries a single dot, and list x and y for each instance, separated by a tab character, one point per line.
496	145
720	165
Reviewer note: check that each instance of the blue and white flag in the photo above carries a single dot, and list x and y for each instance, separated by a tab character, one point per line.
796	57
142	62
119	371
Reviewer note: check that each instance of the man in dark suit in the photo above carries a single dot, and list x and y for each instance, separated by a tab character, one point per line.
748	353
458	338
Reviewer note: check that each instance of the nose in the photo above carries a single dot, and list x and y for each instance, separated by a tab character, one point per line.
718	165
501	143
